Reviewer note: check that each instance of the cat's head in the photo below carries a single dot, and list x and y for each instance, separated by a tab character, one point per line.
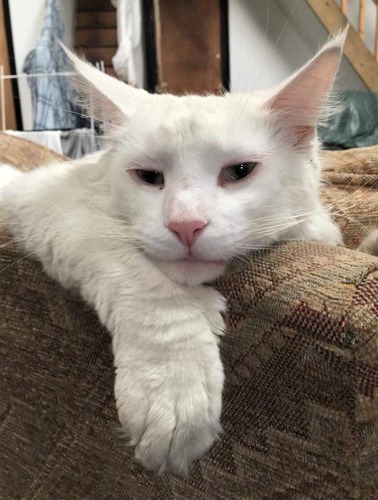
205	178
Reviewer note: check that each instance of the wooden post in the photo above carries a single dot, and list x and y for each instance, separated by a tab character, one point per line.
376	35
361	18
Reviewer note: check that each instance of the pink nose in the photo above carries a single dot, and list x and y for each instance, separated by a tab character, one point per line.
187	231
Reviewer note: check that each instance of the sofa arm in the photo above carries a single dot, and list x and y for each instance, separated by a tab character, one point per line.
300	412
301	358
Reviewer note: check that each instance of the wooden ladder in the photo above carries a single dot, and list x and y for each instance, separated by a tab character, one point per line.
334	17
96	31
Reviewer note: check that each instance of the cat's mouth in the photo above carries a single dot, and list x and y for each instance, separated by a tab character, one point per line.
197	260
192	270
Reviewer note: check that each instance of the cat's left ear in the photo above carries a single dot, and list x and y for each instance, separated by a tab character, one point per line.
103	96
301	101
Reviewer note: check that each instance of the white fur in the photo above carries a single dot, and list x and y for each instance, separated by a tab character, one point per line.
96	228
8	174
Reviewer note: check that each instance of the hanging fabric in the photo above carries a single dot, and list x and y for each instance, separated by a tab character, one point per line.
128	61
73	143
79	142
53	97
48	138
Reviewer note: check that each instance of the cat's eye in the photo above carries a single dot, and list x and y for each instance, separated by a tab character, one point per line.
235	173
150	177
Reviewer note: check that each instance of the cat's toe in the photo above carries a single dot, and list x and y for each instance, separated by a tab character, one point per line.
190	446
174	449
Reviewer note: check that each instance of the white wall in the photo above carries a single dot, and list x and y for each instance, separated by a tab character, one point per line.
26	21
270	39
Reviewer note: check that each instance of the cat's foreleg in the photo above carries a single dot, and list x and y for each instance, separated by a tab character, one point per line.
169	376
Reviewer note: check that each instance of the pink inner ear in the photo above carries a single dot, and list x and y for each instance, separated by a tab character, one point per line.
301	101
112	99
303	134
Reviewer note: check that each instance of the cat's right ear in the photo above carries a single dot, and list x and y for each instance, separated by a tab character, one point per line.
102	96
301	101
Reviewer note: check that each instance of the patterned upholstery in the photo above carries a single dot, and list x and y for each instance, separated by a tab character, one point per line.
300	413
351	190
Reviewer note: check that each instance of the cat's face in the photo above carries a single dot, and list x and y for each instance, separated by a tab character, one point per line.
204	179
197	159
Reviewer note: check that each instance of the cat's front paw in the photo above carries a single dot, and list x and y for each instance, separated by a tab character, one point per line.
170	405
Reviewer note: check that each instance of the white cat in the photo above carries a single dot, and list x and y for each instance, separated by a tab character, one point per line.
185	184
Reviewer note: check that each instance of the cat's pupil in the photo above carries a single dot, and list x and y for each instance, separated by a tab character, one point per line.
241	170
151	177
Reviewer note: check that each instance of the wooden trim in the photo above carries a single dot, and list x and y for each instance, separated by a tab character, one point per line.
150	45
355	50
10	114
12	66
225	45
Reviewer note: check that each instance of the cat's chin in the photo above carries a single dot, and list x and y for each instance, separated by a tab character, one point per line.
192	272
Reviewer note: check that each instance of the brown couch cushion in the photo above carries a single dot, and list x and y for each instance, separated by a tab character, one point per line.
300	411
24	154
351	191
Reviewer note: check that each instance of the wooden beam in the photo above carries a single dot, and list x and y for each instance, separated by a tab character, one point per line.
358	54
105	37
96	20
94	6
